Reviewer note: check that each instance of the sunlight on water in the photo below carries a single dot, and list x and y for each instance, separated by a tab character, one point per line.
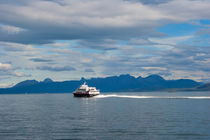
152	97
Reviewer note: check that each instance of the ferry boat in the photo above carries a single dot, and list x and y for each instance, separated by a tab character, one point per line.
85	91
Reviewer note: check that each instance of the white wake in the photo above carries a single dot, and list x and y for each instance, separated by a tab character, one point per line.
151	97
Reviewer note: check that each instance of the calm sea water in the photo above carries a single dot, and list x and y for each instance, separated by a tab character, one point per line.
154	115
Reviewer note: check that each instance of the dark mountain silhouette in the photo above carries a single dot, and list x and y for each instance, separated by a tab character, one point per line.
130	83
120	83
203	87
48	80
26	83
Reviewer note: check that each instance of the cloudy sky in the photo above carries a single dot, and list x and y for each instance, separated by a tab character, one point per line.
70	39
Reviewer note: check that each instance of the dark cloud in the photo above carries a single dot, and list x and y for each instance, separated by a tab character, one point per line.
150	1
107	44
12	73
42	28
48	34
89	70
40	60
56	69
70	21
12	48
16	2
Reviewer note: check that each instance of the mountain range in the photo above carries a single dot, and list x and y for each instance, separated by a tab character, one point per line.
122	83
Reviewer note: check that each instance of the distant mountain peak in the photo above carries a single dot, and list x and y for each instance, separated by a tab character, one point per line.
82	79
26	83
139	77
48	80
155	76
125	76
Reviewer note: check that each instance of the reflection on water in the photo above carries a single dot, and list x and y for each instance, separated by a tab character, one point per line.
108	116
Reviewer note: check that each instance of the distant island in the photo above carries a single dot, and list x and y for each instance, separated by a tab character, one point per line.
122	83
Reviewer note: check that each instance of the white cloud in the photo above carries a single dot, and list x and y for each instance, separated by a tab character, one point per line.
186	10
3	85
10	29
18	74
5	67
9	46
171	40
154	68
58	44
195	75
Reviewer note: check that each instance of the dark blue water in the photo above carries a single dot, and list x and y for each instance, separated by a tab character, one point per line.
156	116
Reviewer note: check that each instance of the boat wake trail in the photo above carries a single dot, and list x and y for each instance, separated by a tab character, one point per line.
152	97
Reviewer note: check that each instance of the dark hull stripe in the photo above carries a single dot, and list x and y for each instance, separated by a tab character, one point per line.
85	95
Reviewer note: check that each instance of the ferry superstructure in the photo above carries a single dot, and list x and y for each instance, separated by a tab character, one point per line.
85	91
